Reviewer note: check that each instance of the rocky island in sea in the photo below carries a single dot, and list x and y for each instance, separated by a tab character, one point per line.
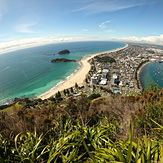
64	51
63	60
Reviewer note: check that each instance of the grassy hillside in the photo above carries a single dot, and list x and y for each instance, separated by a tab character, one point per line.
84	129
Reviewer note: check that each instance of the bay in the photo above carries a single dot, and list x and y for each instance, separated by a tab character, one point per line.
30	73
152	72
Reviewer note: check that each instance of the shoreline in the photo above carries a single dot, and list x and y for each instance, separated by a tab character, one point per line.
79	76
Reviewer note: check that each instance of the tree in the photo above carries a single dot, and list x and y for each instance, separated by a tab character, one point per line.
71	89
152	87
76	85
94	87
64	91
58	95
86	80
93	96
51	98
68	92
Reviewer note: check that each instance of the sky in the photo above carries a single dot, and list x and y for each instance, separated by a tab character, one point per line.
44	21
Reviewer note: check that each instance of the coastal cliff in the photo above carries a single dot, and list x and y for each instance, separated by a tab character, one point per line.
63	60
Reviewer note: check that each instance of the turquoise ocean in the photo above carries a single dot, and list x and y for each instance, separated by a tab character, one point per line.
30	73
152	72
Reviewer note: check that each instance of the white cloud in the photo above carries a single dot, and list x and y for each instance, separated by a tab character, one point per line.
149	39
96	6
25	28
32	42
104	27
103	24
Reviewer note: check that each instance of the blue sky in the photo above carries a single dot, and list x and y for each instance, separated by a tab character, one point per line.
130	20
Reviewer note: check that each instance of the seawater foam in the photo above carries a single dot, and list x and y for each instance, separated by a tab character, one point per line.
76	70
61	82
6	68
51	89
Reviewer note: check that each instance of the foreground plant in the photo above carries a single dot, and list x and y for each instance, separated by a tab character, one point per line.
30	147
143	151
76	143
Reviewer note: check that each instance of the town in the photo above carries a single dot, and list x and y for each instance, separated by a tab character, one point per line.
113	73
118	72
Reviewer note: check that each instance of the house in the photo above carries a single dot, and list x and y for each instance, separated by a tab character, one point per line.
80	86
104	75
95	79
116	69
103	81
115	76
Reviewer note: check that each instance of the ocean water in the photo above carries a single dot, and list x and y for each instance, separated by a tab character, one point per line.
30	73
152	72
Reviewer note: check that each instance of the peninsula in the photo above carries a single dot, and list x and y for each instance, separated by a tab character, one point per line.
120	74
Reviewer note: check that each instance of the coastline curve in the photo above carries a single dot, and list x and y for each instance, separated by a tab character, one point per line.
79	76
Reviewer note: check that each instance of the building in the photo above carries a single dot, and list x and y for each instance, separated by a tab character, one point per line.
95	79
103	81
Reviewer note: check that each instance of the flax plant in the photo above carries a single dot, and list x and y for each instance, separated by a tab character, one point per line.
29	147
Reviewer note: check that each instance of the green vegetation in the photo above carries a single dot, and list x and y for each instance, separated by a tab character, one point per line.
104	59
10	108
84	129
93	96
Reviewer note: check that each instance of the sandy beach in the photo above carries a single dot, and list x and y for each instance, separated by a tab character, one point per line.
78	77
